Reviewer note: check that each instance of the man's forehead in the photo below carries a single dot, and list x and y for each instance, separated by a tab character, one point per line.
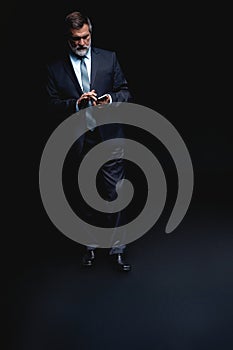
79	32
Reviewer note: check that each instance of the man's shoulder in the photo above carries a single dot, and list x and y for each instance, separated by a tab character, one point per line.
101	51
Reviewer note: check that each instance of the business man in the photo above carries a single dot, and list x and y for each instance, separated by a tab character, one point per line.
75	81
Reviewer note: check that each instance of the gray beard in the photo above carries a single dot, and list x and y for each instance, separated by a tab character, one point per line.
79	52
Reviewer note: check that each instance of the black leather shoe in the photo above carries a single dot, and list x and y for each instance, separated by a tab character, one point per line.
122	265
88	258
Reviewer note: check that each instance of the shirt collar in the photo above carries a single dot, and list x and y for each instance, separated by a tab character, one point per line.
88	54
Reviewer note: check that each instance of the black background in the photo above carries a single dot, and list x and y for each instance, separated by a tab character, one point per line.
179	294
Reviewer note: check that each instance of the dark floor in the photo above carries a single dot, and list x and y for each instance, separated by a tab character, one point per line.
179	294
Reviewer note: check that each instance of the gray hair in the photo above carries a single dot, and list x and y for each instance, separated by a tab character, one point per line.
76	20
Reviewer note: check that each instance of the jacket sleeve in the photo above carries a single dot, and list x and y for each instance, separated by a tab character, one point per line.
120	91
58	104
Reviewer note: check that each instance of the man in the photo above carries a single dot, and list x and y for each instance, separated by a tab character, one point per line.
75	81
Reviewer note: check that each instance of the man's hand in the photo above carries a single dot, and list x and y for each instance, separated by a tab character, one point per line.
86	97
103	100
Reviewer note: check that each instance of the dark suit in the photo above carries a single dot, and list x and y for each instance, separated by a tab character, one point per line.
106	77
64	90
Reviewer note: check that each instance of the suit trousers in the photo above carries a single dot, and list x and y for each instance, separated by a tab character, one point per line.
109	175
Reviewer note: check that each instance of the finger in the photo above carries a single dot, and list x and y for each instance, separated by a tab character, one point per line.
94	98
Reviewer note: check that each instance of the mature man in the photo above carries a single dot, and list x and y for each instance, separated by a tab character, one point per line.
74	82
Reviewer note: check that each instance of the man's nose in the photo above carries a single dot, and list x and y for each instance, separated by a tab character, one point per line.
81	41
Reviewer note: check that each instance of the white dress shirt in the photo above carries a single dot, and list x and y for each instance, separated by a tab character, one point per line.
76	65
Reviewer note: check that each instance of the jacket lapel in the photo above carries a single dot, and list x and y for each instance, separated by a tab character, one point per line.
69	69
94	65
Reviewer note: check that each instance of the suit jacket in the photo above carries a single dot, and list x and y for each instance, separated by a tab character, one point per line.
63	88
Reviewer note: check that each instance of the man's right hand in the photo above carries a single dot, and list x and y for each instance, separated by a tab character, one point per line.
85	98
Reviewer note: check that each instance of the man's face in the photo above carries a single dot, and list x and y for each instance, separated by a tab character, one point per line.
80	40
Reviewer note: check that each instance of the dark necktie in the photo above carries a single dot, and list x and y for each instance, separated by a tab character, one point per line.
91	122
